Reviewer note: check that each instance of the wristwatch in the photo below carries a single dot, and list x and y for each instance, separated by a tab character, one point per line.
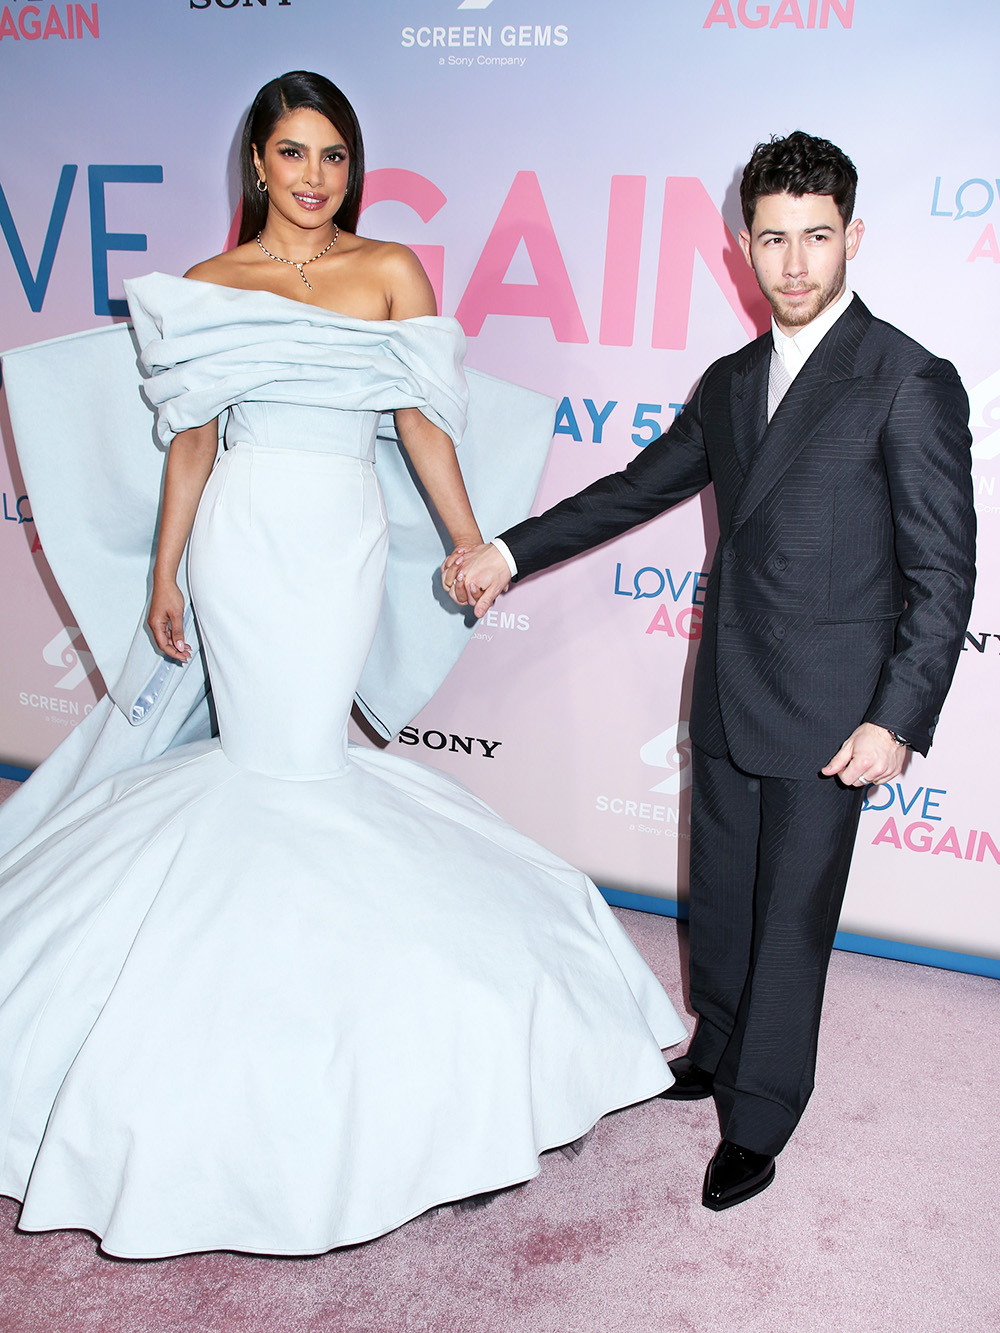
900	740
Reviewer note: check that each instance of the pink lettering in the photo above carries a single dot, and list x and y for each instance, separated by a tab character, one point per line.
523	217
844	11
691	222
986	842
424	197
788	12
986	247
949	843
888	833
721	12
621	260
918	836
91	23
29	29
53	24
759	21
661	622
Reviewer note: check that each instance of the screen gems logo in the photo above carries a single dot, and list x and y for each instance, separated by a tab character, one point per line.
64	651
670	751
60	652
506	35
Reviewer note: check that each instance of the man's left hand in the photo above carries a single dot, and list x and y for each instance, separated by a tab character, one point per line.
868	756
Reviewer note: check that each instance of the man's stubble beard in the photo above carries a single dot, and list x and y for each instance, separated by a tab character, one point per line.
799	316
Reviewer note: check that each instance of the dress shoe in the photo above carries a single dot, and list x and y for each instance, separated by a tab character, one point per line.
735	1174
690	1083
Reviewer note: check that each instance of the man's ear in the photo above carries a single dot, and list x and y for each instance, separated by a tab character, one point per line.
852	235
745	245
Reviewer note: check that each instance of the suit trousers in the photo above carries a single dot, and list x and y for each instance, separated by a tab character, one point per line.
769	864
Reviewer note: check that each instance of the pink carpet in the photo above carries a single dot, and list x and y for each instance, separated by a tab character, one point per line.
883	1217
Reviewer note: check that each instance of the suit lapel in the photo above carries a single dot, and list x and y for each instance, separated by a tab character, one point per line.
820	384
748	402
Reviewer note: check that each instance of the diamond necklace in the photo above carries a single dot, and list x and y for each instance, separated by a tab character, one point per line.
294	262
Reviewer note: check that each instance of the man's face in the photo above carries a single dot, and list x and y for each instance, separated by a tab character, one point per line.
798	250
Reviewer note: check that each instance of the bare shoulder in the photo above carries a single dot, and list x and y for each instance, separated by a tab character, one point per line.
226	269
401	276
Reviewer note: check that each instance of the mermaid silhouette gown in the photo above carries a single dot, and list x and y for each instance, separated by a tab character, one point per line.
272	991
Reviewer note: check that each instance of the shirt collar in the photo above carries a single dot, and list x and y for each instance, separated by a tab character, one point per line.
795	350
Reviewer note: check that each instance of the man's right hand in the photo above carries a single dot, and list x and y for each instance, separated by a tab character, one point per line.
476	577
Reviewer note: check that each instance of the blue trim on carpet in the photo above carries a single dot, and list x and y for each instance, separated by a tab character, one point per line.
18	774
868	944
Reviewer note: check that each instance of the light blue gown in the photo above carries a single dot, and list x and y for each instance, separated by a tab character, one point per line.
271	991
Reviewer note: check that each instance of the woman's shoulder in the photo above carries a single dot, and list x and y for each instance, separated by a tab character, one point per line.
399	274
226	269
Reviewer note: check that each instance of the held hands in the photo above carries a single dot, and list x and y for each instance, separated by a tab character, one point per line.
166	620
868	756
475	576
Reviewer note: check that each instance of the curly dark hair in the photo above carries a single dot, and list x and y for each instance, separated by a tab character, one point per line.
798	164
291	92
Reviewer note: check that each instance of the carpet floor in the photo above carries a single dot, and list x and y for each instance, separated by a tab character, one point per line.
883	1217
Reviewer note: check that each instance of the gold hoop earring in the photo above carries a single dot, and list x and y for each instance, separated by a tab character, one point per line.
261	185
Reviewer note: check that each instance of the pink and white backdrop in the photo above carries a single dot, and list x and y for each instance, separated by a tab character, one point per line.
567	170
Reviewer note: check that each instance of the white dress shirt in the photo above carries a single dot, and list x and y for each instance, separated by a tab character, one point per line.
796	350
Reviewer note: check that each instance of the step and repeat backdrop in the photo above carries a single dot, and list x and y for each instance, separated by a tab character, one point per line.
568	173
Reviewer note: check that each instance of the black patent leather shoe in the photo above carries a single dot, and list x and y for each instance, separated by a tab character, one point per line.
690	1082
734	1175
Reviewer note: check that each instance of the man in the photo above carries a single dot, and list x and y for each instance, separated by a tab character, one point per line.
839	451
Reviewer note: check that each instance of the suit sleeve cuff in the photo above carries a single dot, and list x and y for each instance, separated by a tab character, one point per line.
504	550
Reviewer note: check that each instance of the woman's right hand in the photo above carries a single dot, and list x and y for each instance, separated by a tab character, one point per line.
166	620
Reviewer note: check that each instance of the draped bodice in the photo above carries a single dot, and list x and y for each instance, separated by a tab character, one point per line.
290	374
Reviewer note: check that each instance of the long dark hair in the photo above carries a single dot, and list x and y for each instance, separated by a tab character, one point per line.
292	92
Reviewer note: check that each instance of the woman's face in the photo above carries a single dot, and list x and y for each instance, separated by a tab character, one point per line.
306	166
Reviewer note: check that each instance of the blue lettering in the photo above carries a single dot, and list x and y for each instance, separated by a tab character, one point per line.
642	421
647	569
935	211
36	285
676	592
599	418
962	211
902	799
699	590
101	240
566	422
928	802
619	590
874	791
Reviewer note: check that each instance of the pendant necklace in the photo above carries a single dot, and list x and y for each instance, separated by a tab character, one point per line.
294	262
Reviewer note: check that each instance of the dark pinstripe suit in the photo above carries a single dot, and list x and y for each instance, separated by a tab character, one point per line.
839	593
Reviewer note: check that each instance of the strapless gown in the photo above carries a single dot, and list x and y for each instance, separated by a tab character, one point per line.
272	991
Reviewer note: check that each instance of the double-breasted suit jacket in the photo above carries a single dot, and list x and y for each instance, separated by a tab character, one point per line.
842	583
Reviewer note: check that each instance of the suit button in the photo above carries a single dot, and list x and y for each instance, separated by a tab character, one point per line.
778	631
780	562
728	555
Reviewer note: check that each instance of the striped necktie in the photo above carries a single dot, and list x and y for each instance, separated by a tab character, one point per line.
778	382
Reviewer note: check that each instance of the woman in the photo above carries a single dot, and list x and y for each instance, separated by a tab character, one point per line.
271	992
